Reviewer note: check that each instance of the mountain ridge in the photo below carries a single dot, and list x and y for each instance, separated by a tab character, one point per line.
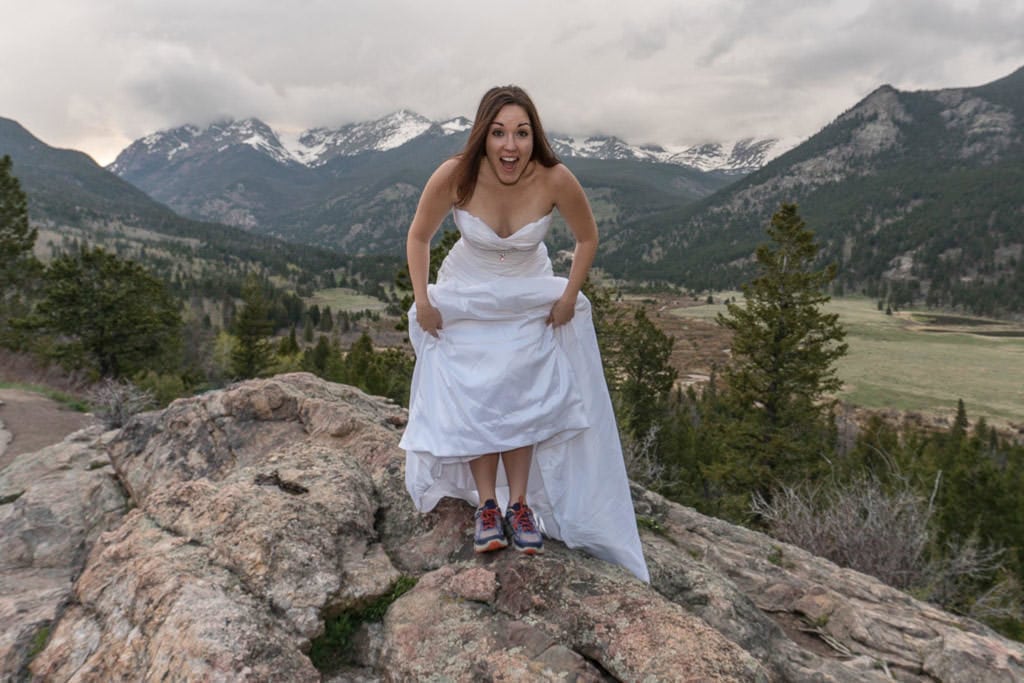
915	194
74	199
317	146
355	188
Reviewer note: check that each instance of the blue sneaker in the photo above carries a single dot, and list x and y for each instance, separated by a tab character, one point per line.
525	536
489	533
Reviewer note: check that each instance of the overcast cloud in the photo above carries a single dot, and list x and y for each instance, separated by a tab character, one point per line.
95	75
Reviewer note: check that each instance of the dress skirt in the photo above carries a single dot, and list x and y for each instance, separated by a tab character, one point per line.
499	377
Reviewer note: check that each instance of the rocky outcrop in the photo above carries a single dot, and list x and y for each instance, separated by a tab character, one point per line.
238	521
53	506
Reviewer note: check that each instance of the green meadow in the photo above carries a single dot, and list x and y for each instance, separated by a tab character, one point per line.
344	299
923	361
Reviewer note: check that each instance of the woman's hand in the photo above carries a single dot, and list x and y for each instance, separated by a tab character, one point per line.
428	317
562	312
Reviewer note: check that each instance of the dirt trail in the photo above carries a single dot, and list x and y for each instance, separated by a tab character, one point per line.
33	421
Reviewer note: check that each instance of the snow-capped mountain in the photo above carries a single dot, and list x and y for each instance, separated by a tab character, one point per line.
354	188
189	140
740	157
317	146
311	148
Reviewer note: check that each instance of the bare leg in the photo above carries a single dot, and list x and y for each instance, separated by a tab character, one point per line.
517	471
485	474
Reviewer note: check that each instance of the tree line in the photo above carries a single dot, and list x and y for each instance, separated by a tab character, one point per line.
766	444
100	313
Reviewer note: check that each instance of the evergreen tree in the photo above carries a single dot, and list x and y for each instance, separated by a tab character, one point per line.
17	264
289	346
643	374
784	351
324	360
960	424
326	320
383	373
253	354
108	314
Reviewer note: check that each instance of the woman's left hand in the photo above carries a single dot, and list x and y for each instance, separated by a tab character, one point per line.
562	312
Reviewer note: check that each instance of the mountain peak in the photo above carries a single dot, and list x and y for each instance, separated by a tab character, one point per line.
317	146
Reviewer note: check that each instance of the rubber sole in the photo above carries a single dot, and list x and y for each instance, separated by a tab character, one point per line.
491	546
529	551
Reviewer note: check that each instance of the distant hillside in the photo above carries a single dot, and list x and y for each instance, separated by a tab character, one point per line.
355	188
917	195
73	201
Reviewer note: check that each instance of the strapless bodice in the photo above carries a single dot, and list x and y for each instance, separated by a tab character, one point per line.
482	254
476	231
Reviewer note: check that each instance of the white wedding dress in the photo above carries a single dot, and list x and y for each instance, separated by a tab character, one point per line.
499	377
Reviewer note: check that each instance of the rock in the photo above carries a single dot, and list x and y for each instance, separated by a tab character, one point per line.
878	630
555	617
261	510
53	505
227	577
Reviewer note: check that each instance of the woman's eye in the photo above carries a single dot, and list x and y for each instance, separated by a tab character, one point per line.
524	133
497	132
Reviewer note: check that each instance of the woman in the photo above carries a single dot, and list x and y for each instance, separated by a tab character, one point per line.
507	364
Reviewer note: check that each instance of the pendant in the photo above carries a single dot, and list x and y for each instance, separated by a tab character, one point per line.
501	257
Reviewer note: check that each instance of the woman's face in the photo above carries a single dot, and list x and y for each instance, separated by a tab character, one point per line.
510	143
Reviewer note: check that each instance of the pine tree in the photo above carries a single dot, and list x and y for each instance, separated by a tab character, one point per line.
958	431
644	375
17	264
289	345
784	350
252	328
326	320
109	314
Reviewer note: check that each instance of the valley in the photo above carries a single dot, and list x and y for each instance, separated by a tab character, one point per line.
911	361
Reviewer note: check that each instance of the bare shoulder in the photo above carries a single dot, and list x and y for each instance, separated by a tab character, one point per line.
442	181
562	184
447	167
560	177
445	173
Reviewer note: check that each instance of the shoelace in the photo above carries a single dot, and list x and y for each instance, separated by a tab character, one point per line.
522	519
489	517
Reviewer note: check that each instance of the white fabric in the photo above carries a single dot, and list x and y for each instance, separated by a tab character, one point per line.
498	377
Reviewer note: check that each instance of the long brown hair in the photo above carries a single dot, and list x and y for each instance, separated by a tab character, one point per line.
468	167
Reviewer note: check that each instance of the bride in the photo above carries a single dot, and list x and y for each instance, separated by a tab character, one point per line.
507	364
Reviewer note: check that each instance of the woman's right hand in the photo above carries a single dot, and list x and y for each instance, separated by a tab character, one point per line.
428	317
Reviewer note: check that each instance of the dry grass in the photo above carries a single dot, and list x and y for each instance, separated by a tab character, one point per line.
344	299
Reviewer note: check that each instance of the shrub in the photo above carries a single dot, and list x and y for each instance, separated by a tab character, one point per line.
115	401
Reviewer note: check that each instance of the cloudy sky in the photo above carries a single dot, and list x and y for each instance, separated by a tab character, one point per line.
96	74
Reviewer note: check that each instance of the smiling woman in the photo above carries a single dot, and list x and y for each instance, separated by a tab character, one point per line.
507	365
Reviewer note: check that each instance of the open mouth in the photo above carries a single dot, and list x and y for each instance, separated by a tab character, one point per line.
509	163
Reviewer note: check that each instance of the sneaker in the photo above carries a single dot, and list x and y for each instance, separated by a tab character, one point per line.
525	536
489	533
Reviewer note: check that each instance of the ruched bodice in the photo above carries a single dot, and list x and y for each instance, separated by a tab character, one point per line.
498	377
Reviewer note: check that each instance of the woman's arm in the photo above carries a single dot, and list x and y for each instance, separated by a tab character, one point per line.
575	209
435	201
